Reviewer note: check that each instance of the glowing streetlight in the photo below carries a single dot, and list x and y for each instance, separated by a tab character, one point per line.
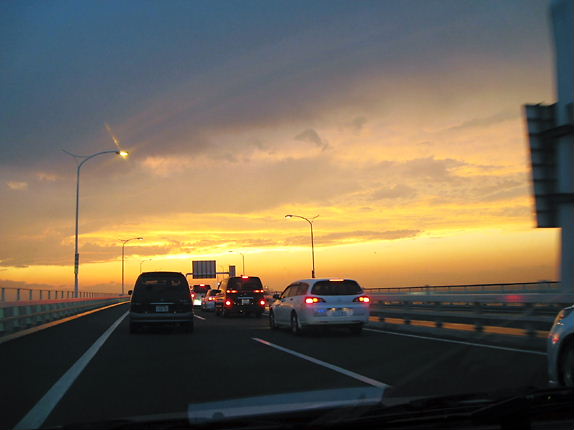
243	257
123	254
310	221
84	158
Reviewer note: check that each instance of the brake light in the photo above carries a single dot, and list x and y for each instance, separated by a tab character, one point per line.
210	299
245	277
258	291
228	303
311	300
233	291
262	302
336	280
362	299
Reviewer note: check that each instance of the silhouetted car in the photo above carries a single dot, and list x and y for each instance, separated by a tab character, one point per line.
161	298
560	350
320	302
198	292
208	302
240	295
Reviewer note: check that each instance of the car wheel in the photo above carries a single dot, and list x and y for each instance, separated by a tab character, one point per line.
272	323
567	365
295	329
356	330
217	313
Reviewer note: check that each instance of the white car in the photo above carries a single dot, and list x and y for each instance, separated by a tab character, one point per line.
198	292
208	302
320	302
560	350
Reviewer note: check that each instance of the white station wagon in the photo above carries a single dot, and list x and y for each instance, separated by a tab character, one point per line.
320	302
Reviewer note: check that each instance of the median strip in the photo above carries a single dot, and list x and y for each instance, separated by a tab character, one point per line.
330	366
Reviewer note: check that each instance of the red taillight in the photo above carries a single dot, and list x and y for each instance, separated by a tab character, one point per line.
257	291
311	300
262	302
192	295
362	299
245	277
233	291
210	299
228	303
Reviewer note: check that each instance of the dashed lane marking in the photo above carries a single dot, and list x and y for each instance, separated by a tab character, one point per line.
346	372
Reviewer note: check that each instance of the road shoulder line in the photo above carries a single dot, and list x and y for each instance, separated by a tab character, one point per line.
41	327
461	342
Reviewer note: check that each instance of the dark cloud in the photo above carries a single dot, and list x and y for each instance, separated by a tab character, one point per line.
398	191
486	121
311	136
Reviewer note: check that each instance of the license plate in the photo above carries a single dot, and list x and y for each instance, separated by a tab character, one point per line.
245	301
162	308
340	312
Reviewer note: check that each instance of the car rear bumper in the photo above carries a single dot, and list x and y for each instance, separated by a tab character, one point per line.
160	318
320	316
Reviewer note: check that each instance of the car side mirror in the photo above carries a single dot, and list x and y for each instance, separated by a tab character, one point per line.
276	296
130	292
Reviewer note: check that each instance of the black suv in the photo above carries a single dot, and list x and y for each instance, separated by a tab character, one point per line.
161	298
240	295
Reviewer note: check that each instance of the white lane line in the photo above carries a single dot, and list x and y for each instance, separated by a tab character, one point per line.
201	318
480	345
346	372
38	414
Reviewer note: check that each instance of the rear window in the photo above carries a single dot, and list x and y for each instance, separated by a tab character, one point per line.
336	288
201	289
161	288
213	292
250	283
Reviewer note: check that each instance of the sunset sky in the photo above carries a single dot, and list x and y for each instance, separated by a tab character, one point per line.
399	123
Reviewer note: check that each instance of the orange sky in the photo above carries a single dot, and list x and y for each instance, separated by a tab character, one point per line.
411	148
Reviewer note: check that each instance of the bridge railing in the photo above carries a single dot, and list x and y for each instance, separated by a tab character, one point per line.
24	308
516	287
11	294
530	311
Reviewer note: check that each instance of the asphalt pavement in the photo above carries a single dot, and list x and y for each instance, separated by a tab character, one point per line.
165	370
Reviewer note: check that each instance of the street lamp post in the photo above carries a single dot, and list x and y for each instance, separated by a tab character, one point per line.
243	258
123	254
310	221
84	158
142	262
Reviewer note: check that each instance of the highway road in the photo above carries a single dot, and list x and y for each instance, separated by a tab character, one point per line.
163	371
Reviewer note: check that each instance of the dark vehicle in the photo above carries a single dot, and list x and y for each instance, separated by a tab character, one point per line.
240	295
198	292
161	298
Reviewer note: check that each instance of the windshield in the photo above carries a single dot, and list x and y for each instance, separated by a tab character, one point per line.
201	289
336	288
245	284
379	190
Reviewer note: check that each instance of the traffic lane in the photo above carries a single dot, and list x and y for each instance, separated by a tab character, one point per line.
30	365
162	371
418	367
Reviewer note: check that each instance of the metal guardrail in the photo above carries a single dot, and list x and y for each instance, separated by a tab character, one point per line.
515	287
11	294
23	314
528	311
